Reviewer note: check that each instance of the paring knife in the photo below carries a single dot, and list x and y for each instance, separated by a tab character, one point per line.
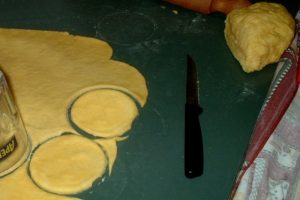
193	145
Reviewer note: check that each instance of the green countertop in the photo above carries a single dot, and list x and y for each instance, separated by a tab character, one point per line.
155	37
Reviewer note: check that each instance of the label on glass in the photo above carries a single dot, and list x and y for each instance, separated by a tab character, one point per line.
8	148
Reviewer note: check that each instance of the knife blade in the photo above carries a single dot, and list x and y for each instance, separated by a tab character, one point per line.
193	145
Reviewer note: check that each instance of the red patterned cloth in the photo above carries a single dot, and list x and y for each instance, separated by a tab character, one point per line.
271	170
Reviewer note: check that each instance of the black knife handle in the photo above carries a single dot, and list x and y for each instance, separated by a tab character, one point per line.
193	145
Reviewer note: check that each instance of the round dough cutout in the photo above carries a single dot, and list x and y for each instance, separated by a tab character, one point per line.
104	113
67	164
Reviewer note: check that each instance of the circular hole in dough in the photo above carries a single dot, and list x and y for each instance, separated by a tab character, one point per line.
103	113
67	164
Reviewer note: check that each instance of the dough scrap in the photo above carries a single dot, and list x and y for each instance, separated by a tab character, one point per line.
257	35
111	150
105	113
67	164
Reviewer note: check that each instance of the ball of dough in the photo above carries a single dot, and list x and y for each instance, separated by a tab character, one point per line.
257	35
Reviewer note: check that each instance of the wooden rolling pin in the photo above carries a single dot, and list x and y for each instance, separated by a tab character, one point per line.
209	6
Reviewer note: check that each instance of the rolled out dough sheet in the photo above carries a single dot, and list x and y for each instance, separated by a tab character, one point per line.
47	71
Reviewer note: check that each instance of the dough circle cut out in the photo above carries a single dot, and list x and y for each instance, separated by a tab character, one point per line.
103	113
67	164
